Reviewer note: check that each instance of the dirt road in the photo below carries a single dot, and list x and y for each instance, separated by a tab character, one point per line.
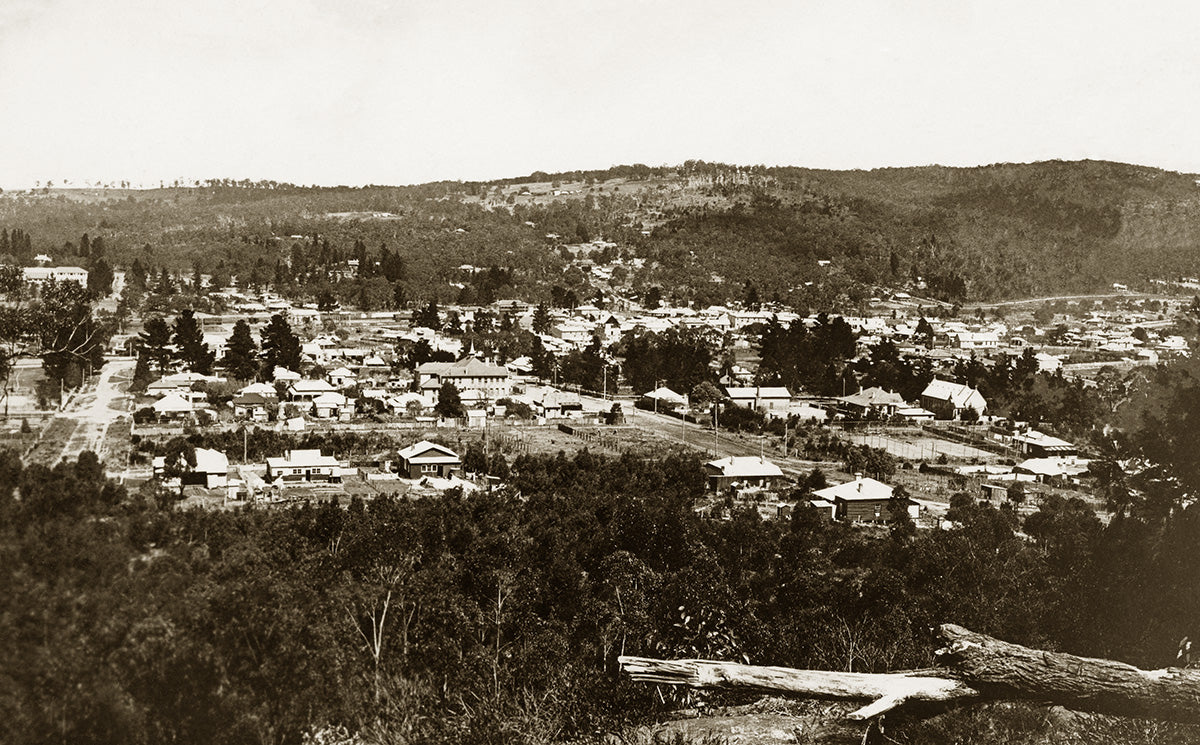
93	411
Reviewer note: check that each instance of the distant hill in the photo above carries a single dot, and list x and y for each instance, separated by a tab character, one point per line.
709	232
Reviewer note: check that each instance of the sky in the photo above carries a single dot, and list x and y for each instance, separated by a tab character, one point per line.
368	91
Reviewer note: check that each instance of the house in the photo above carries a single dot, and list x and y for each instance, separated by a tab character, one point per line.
949	400
304	465
773	400
428	459
308	390
267	390
1052	470
863	500
332	405
211	470
977	339
467	374
572	332
664	397
1034	444
173	406
741	470
808	412
38	275
1048	363
285	375
253	406
871	402
162	387
555	404
342	377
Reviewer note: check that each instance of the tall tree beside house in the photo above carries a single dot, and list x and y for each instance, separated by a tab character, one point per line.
541	359
280	347
136	276
100	278
241	353
449	403
541	319
427	317
189	343
155	343
166	286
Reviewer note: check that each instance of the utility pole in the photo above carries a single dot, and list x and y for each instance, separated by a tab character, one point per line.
716	438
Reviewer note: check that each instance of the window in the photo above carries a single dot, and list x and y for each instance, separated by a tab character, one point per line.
429	468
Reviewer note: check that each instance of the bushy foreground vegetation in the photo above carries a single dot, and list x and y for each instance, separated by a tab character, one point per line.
498	618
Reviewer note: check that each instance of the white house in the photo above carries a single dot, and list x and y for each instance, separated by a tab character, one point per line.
949	400
304	465
38	275
773	400
742	470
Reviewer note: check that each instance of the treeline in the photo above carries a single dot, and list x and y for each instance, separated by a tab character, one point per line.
806	359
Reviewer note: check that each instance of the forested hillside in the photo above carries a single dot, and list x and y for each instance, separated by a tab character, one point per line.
815	238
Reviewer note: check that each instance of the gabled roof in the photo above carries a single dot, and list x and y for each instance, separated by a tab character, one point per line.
468	367
172	402
211	461
428	452
312	386
861	489
330	399
956	393
264	389
744	466
875	396
665	394
252	399
1046	442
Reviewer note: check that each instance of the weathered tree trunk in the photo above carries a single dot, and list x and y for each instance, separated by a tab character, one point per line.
972	667
886	690
1001	670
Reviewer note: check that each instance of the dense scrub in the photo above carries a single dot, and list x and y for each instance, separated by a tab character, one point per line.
504	614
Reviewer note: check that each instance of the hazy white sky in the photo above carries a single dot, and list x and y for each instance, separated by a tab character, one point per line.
369	91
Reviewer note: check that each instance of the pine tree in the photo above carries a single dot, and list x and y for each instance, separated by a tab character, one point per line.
280	347
155	343
241	353
100	278
137	275
189	341
541	319
141	373
428	317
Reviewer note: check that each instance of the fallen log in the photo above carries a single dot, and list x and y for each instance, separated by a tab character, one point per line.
971	668
886	690
1001	670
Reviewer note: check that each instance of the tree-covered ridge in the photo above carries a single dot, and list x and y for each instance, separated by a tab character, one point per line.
814	237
